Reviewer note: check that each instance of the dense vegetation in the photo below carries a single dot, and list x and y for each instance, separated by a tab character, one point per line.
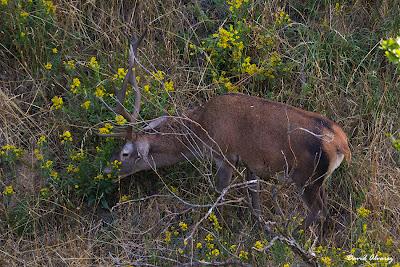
60	63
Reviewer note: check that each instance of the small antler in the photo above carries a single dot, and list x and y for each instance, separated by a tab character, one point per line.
130	77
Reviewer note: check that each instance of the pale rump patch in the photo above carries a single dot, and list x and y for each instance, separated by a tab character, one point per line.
333	148
334	164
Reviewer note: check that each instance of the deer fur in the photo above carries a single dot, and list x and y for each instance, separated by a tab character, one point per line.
265	136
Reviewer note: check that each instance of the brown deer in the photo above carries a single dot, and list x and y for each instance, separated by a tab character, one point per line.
266	137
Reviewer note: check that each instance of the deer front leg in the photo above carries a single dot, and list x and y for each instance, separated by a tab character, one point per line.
224	174
254	190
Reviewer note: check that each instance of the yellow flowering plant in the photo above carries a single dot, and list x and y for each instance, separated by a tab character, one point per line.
8	191
240	49
48	66
66	137
58	102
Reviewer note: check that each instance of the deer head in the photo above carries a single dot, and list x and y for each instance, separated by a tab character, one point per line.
135	147
134	154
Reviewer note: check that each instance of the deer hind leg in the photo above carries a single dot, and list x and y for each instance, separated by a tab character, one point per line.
315	199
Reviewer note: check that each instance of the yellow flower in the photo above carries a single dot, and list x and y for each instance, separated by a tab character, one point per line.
249	68
146	88
93	64
326	261
236	4
214	220
233	248
48	66
230	87
116	164
77	156
44	192
209	238
8	147
104	130
389	242
183	226
22	34
338	7
38	155
243	255
286	265
237	53
181	251
99	91
259	245
48	164
363	212
72	169
4	2
50	8
176	233
108	125
199	245
86	104
41	140
12	149
70	64
364	227
123	198
24	14
54	174
8	190
192	46
319	249
120	120
54	50
76	83
65	137
159	75
169	86
167	236
76	186
226	38
57	102
99	177
121	73
210	246
174	189
282	18
215	252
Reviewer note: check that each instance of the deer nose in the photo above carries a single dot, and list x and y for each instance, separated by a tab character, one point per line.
124	156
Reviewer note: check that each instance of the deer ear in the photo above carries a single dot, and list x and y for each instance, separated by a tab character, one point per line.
155	123
128	147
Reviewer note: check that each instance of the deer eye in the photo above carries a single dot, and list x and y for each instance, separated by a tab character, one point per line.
125	155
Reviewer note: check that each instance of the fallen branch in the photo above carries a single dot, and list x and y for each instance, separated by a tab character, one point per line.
217	203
